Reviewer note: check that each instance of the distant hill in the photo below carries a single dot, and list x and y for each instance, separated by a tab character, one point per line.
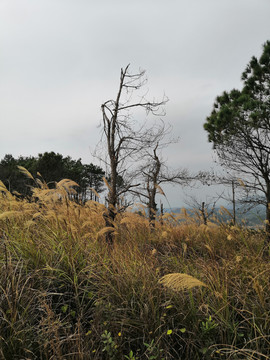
253	217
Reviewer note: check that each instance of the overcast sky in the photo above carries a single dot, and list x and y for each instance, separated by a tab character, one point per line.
60	59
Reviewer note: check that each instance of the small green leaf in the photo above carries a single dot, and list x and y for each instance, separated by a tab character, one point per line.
64	308
90	295
204	350
183	330
169	332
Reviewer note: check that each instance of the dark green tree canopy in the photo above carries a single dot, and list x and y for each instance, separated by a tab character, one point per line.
246	109
239	128
53	168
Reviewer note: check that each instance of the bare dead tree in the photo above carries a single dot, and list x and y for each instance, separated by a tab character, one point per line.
124	137
211	178
242	195
202	209
154	172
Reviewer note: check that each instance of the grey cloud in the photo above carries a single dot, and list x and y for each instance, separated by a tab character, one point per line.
60	59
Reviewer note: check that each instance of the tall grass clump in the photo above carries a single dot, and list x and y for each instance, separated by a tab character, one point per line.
182	291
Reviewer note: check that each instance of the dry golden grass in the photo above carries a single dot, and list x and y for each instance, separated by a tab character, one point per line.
180	282
62	287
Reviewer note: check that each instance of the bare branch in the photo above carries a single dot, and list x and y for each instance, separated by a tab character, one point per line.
123	139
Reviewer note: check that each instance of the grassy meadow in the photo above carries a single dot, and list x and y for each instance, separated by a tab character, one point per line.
64	294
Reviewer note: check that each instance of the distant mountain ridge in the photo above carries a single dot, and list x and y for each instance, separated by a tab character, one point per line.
253	217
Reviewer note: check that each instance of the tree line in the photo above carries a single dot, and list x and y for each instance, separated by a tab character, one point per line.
51	168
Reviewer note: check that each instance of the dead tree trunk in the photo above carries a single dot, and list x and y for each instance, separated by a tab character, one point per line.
204	213
267	223
122	140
